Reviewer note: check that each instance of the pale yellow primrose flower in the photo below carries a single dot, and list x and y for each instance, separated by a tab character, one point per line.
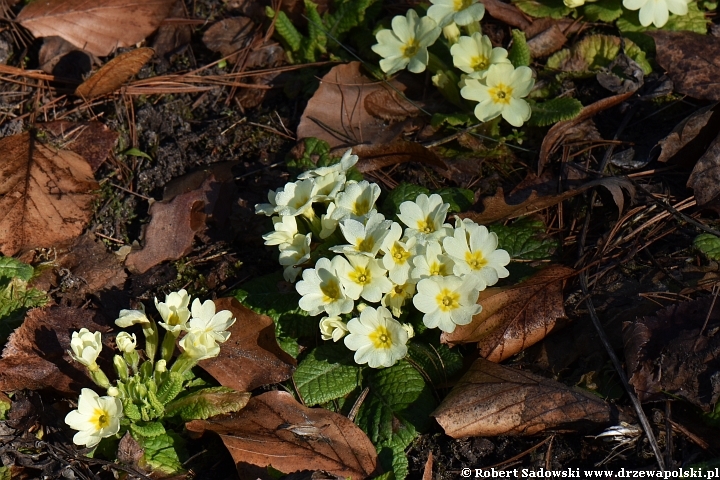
296	198
294	254
576	3
474	251
128	318
448	301
95	418
356	201
174	311
656	11
398	255
397	296
327	223
363	239
198	345
285	228
126	342
377	339
362	276
501	94
332	328
406	44
425	218
207	322
431	261
347	161
474	55
85	347
462	12
267	208
322	290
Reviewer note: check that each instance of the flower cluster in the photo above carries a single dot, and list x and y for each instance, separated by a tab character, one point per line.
423	262
488	76
144	388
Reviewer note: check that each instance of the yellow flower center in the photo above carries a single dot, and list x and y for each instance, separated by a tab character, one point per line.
381	338
361	276
426	225
399	254
300	201
331	291
447	300
460	5
501	93
481	62
361	207
411	48
174	318
100	419
475	260
366	244
437	268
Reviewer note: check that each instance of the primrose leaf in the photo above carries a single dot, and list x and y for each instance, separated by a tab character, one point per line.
147	429
162	452
435	361
519	54
315	153
327	373
402	193
555	110
452	119
5	473
525	239
543	8
605	11
460	199
593	53
15	299
708	244
206	403
11	268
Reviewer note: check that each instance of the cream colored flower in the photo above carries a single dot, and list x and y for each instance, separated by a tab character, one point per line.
474	55
474	251
425	218
656	11
294	254
362	276
206	321
85	347
398	255
501	94
397	297
448	301
406	44
347	161
332	328
363	239
431	261
322	290
285	228
128	318
462	12
296	198
95	418
174	311
356	201
267	208
377	339
198	345
126	342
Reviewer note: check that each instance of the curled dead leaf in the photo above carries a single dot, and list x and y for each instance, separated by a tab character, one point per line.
113	74
705	177
45	194
492	399
547	42
374	157
97	26
691	137
514	318
91	140
274	429
230	35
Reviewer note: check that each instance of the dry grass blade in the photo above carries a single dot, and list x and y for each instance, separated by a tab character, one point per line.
97	26
114	73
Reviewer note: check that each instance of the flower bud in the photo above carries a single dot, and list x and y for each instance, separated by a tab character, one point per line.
113	392
85	347
121	368
332	328
126	342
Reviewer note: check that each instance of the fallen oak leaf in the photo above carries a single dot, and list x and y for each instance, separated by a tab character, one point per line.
91	140
275	430
514	318
251	357
45	194
113	74
492	399
97	26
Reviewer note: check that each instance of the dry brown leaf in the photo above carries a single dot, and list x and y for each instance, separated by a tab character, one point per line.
514	318
690	138
113	74
274	429
229	36
62	59
337	113
251	357
35	356
556	134
390	106
91	140
45	194
497	207
691	60
96	26
492	399
507	13
547	42
705	177
374	157
669	354
170	39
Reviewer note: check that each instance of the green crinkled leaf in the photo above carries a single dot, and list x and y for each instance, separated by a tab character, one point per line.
328	372
603	11
708	244
4	408
163	452
170	388
291	322
315	150
452	119
460	199
543	8
206	403
525	239
402	193
147	429
554	110
348	15
393	459
593	53
519	54
5	473
12	268
288	32
15	299
435	361
694	21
